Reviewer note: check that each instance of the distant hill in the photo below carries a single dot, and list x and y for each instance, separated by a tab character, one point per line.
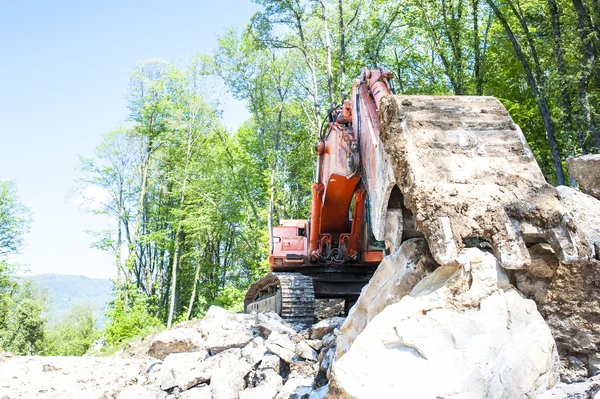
66	291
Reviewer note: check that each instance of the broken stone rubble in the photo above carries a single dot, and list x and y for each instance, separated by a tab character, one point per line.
282	365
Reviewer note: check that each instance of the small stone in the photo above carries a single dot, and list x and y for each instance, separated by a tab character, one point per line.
324	327
282	340
285	354
270	361
266	384
316	344
303	350
254	351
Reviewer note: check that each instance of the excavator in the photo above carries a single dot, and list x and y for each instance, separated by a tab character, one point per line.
334	254
455	170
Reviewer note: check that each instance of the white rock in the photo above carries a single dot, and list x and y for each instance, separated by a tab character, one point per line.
227	379
202	392
316	344
462	324
267	324
295	387
285	354
270	362
303	350
395	277
254	351
185	371
141	392
176	341
268	385
282	340
324	327
224	330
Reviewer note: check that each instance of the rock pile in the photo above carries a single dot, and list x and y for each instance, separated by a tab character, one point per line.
227	355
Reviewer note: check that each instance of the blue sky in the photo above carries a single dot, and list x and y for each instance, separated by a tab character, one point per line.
63	75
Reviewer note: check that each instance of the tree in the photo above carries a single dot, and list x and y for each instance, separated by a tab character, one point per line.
23	332
72	336
14	219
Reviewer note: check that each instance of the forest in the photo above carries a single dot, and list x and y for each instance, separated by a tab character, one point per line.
191	201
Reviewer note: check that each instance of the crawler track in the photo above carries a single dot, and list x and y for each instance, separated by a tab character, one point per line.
296	293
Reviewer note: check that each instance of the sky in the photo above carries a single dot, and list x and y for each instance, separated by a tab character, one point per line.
63	75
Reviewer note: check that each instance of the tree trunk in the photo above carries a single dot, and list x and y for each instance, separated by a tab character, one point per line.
399	72
561	64
178	231
193	296
342	50
585	32
328	52
476	49
131	258
540	97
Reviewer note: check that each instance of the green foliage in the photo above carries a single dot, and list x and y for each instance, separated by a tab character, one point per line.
72	336
23	332
8	285
14	219
135	321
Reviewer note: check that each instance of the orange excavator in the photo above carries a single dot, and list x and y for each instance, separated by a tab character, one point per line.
455	170
334	254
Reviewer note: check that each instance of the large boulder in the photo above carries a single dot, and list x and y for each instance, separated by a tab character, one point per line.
224	330
586	171
463	326
225	372
395	277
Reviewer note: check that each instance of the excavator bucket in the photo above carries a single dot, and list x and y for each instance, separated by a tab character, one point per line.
468	178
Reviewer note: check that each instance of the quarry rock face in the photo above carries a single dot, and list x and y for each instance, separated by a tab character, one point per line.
586	171
464	325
